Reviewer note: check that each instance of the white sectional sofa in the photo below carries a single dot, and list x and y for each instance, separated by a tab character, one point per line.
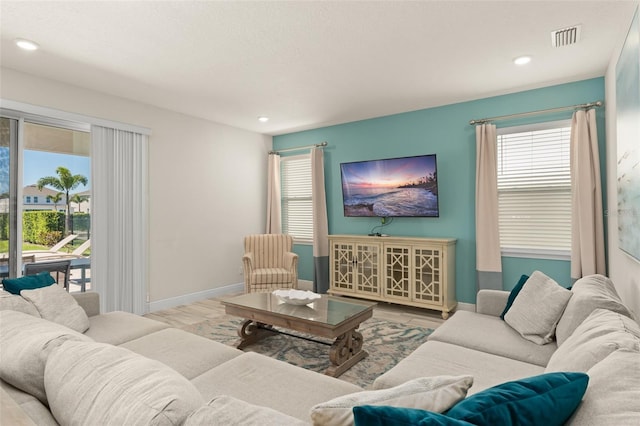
469	353
214	369
595	335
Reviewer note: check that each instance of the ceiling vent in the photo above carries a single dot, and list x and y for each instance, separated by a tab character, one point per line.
566	36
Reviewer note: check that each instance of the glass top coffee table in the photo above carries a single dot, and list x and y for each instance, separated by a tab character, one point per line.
331	317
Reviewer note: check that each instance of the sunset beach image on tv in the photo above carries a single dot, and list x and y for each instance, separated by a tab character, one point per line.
393	187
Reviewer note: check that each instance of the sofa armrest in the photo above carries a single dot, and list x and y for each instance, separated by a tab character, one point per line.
491	302
290	260
89	301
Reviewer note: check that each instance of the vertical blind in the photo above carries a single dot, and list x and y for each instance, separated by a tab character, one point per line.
297	208
534	188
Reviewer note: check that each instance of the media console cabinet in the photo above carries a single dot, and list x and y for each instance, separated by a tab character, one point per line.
405	270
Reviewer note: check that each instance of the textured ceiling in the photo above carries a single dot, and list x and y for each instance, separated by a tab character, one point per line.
307	64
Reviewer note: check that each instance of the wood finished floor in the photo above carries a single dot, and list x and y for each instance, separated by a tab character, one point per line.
193	313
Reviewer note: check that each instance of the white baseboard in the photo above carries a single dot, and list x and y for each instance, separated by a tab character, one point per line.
193	297
471	307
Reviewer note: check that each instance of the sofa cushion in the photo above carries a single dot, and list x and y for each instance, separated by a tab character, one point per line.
536	310
252	377
120	327
545	400
436	394
28	405
13	302
589	293
56	305
611	402
228	411
26	343
438	358
602	333
29	282
187	353
488	333
95	383
381	415
514	293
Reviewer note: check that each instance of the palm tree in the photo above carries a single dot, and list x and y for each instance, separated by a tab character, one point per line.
77	198
64	182
55	199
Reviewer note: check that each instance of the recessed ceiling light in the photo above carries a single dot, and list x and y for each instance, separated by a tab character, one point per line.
263	119
522	60
26	44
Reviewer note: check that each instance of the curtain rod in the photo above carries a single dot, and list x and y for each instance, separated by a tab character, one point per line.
543	111
316	145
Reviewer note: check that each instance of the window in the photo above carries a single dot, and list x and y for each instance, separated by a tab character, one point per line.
297	213
28	199
35	199
534	190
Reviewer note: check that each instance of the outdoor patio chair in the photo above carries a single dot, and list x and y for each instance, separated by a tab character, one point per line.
81	248
55	248
59	270
269	263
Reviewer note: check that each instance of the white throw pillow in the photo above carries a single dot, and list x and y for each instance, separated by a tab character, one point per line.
100	384
13	302
537	309
229	411
602	333
436	394
55	304
25	344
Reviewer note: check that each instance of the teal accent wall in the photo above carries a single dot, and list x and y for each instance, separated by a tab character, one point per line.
514	267
444	131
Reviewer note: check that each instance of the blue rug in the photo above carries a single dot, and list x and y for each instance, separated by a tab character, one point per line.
386	342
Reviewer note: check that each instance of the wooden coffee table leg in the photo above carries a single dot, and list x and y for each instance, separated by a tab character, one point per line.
251	331
345	352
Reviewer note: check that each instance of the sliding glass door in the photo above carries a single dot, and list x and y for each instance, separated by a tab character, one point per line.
8	196
45	196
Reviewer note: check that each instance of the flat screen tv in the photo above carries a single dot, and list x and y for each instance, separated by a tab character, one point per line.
392	187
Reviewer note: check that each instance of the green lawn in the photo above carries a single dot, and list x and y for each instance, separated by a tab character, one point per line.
4	246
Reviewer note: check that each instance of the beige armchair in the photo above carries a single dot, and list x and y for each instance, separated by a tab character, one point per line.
269	263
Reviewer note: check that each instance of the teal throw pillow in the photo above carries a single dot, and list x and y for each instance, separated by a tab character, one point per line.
545	400
380	415
514	294
29	282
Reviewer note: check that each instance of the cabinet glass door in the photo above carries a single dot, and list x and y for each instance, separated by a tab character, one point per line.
428	275
368	268
398	272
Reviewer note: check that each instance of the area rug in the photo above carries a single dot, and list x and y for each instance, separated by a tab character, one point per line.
386	342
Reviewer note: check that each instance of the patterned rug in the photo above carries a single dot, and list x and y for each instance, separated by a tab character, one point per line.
386	342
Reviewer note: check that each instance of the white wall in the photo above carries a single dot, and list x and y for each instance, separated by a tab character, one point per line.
207	184
623	269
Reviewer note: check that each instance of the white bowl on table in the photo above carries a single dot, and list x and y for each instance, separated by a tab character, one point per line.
296	297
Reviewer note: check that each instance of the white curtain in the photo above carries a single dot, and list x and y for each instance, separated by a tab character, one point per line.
274	209
587	230
320	223
119	219
488	257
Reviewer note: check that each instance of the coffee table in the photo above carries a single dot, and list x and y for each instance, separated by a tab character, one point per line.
331	317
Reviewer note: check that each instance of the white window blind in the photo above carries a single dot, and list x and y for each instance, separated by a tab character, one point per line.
534	190
297	213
